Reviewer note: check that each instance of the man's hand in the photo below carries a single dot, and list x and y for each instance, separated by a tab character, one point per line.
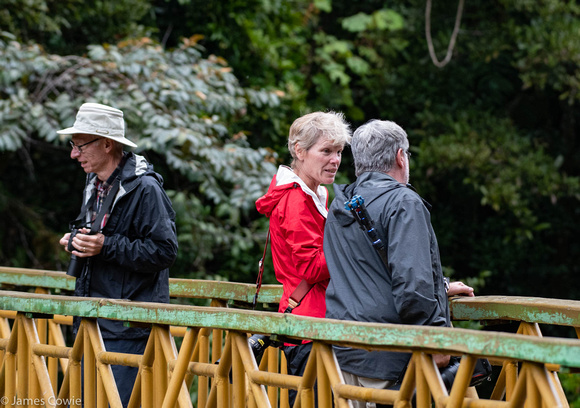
64	241
85	245
441	360
459	289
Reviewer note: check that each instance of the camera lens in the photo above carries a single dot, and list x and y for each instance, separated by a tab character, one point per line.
75	268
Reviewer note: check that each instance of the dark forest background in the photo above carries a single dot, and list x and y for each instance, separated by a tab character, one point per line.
210	88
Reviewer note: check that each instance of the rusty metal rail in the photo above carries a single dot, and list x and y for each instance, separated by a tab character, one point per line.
557	312
178	288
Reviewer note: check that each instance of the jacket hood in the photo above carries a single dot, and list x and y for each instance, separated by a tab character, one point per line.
137	166
284	180
367	186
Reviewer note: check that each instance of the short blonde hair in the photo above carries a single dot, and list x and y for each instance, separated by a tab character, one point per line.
308	129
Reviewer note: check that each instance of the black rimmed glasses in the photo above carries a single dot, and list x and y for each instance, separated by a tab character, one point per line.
79	147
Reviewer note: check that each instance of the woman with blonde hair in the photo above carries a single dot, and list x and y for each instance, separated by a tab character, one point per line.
297	205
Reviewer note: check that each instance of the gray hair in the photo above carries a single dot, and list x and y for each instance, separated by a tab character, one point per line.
375	145
308	129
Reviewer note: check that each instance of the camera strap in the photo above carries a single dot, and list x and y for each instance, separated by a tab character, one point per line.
260	271
356	205
81	219
297	295
96	225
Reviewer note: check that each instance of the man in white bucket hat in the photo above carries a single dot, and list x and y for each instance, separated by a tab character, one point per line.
99	120
124	239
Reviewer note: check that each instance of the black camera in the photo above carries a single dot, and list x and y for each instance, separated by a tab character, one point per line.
481	372
259	343
76	265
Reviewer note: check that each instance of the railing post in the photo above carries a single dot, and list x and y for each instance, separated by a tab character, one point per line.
271	355
40	326
102	401
306	389
178	375
74	367
89	369
202	382
42	390
23	360
147	373
238	375
10	388
160	367
323	384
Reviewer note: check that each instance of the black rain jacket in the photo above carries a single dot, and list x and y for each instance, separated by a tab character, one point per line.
140	246
410	291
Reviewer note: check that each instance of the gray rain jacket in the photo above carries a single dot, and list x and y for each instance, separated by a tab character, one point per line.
410	291
140	246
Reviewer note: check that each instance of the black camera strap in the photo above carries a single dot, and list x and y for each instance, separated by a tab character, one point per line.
80	221
356	205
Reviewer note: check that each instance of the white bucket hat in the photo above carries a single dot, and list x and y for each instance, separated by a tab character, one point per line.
99	120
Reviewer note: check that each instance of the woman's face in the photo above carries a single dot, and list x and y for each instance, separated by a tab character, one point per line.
319	164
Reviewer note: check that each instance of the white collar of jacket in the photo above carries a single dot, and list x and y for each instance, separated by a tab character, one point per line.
286	175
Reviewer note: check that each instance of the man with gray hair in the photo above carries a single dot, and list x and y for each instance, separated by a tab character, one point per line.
410	287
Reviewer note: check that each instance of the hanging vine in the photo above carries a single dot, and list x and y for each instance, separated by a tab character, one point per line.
451	45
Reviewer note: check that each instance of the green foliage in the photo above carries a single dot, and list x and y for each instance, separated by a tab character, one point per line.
30	19
178	107
494	132
65	26
571	384
378	20
508	170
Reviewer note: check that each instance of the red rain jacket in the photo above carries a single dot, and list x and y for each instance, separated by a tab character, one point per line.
296	231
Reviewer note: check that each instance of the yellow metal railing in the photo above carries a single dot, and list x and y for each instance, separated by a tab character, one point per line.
167	372
204	344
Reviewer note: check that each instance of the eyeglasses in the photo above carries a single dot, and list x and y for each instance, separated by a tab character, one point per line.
79	147
407	152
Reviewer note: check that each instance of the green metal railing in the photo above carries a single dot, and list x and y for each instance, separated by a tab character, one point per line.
178	288
557	312
565	352
480	308
529	363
